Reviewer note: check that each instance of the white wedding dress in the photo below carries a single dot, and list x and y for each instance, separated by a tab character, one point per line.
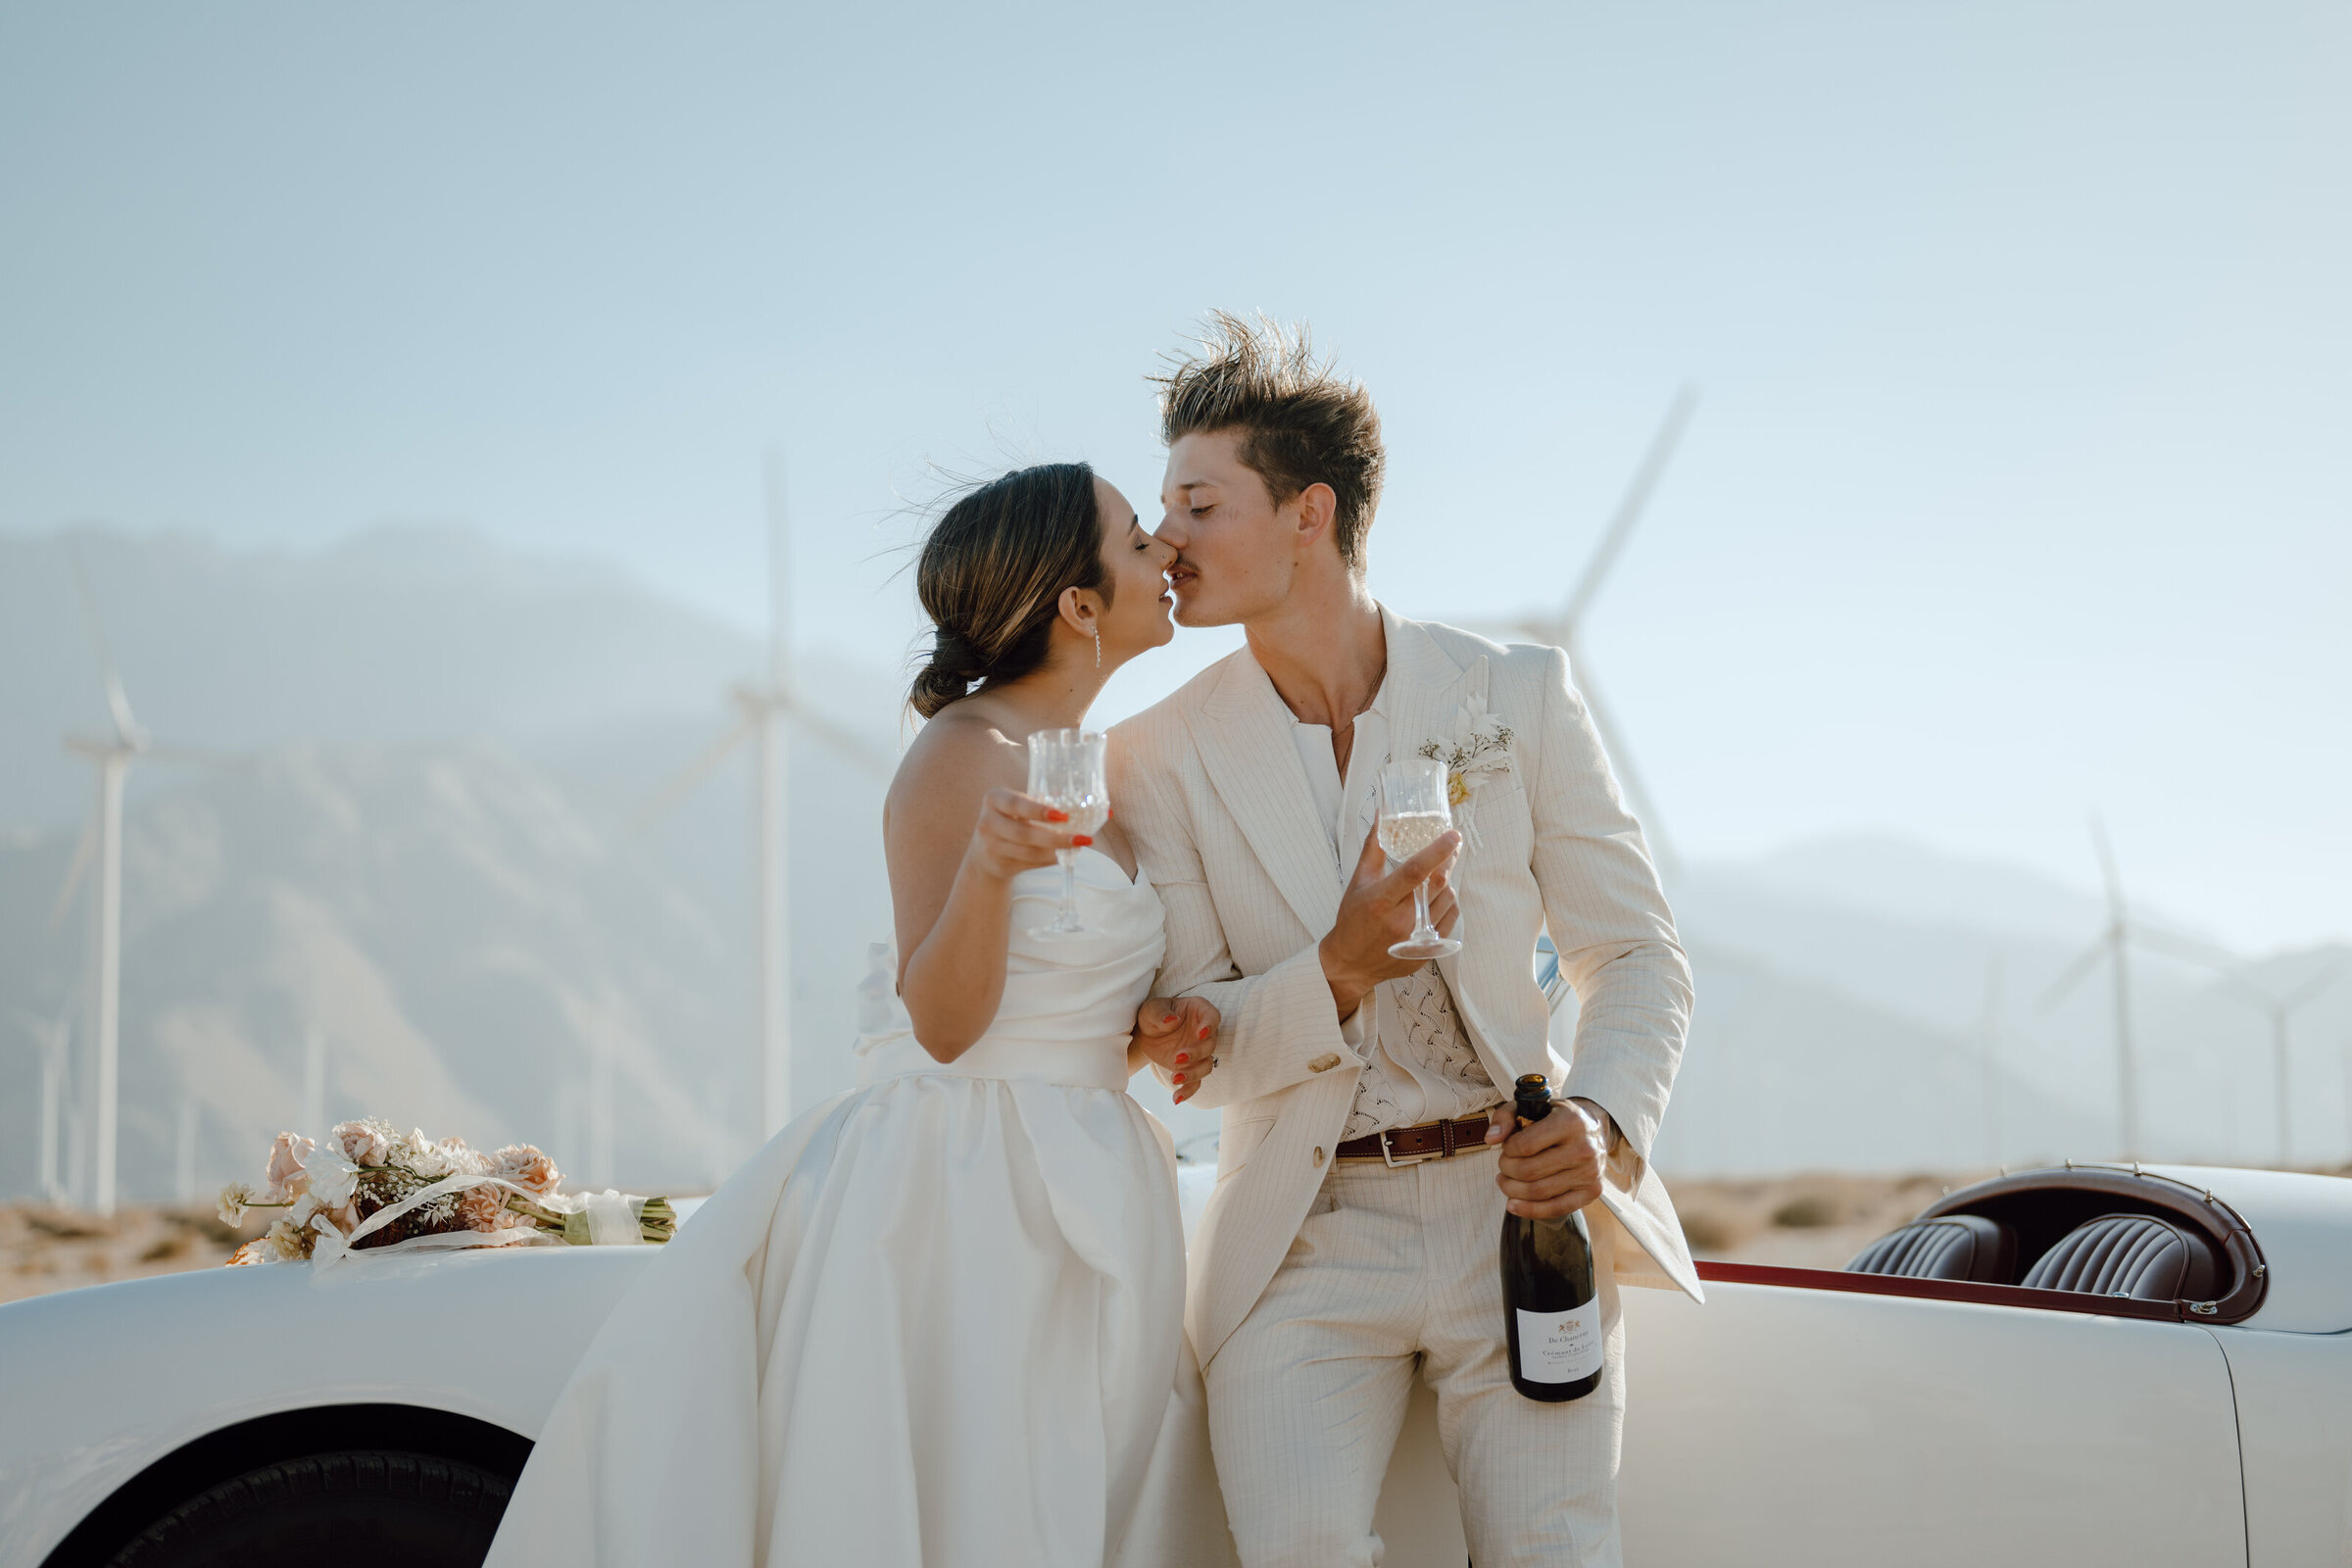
934	1323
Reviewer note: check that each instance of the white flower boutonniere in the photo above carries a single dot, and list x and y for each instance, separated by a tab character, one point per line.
1479	749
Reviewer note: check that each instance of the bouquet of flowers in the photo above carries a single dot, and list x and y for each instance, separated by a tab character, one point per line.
367	1187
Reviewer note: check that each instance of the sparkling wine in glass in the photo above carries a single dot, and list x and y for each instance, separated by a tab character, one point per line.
1414	813
1066	771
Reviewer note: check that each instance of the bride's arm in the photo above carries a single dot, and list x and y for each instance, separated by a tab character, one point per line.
956	833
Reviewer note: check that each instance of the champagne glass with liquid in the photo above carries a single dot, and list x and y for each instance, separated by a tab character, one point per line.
1066	771
1414	813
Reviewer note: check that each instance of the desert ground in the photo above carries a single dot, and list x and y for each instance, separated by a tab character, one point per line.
1805	1221
1802	1221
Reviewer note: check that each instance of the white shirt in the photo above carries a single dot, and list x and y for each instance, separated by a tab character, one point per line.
1422	1067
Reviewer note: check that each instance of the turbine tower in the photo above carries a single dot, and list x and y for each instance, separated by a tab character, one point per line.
1561	630
110	756
2115	947
767	707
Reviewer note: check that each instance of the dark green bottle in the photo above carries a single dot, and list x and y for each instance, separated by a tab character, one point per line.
1551	1304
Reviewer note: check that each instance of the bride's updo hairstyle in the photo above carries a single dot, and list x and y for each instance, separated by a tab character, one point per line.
992	572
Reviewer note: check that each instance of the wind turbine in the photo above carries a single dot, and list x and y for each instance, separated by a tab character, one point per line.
2280	1010
1992	1056
112	756
1561	628
2115	947
767	708
50	1035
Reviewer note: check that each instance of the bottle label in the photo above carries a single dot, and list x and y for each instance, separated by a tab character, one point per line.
1560	1346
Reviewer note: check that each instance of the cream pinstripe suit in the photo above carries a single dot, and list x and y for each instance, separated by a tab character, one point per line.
1210	787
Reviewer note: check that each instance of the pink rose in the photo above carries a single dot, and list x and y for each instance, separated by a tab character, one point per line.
526	1167
287	1179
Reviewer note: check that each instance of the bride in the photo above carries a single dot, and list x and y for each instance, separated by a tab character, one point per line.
937	1321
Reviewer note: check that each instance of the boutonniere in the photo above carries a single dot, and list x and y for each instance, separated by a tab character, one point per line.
1479	749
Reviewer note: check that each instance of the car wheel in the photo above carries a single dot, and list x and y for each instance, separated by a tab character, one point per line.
432	1512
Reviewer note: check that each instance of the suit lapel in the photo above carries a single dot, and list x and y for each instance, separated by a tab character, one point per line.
1244	736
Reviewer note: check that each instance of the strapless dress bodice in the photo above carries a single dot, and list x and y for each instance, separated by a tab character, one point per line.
1069	1001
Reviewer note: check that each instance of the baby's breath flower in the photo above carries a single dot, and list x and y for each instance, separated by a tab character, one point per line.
233	1201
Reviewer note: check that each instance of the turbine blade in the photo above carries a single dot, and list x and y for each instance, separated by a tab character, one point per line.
780	576
117	704
1636	501
1621	759
76	869
2107	870
2074	974
689	776
2156	939
2311	988
842	739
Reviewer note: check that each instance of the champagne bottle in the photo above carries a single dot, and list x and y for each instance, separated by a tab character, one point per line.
1551	1305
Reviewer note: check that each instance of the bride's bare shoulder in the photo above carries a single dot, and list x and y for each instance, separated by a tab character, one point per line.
957	756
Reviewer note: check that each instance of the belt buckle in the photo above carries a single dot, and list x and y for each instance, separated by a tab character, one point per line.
1393	1163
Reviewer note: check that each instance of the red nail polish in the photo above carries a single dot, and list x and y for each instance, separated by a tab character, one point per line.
1171	1018
1204	1031
1180	1078
1053	816
1183	1057
1079	841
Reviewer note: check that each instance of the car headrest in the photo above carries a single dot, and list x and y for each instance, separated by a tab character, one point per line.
2138	1256
1956	1246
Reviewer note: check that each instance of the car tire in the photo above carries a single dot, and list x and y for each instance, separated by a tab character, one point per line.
427	1512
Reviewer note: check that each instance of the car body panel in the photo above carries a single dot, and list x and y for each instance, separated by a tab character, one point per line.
2303	1225
104	1381
2294	1423
1778	1426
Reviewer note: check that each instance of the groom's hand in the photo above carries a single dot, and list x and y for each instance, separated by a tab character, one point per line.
1550	1167
1176	1034
1376	912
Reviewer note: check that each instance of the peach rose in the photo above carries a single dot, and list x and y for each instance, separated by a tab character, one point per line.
484	1209
525	1166
286	1176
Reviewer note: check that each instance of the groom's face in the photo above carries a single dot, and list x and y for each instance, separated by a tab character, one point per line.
1236	549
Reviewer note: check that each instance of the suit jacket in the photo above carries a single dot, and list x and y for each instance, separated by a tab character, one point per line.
1207	783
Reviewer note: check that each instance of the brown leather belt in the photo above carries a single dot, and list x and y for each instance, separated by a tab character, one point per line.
1430	1139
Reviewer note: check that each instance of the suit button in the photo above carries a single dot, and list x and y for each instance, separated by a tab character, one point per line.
1325	1063
1318	1156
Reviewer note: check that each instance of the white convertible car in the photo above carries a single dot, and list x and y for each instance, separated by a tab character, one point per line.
2077	1367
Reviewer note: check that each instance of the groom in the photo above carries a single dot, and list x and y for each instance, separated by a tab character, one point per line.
1367	1158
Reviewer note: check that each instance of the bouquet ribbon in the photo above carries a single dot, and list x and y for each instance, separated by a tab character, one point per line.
612	1222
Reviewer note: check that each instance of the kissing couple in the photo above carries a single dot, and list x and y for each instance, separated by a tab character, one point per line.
944	1320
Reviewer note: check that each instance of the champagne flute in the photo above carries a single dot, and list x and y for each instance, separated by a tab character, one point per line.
1414	813
1066	771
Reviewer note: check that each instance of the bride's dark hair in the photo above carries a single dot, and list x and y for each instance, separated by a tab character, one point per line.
992	572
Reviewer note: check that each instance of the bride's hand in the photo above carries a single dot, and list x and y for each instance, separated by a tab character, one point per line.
1174	1033
1016	833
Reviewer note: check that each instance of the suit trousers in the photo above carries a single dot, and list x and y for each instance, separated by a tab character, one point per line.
1393	1272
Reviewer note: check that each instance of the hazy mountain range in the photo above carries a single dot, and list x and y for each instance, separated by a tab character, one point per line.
409	854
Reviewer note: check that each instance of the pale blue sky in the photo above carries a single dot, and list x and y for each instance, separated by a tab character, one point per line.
2021	486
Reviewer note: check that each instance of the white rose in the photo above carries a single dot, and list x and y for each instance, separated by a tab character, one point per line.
333	1178
426	1157
287	1242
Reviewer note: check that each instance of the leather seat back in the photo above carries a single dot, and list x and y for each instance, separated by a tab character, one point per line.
1956	1246
2138	1256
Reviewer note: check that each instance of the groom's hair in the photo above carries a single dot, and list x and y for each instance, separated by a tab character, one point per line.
1301	422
